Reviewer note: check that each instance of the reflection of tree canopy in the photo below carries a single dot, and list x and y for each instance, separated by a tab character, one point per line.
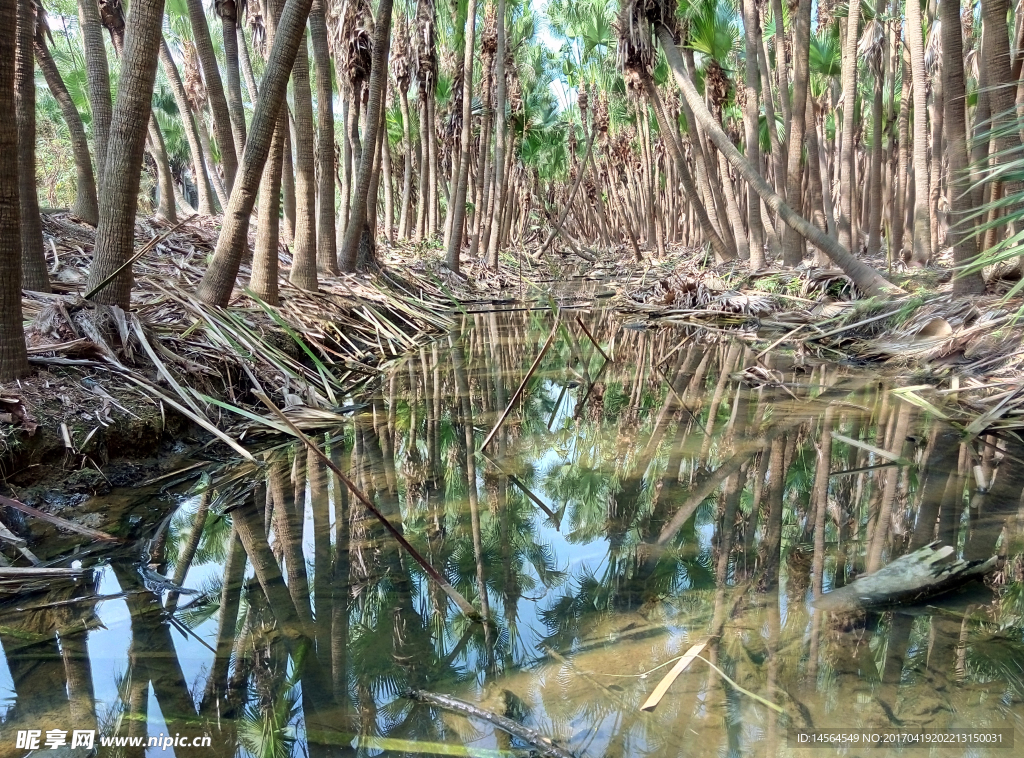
689	501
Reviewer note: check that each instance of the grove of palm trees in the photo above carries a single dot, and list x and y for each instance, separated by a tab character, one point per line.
571	378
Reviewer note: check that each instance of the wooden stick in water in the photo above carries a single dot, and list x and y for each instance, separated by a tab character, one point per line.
591	337
543	745
450	591
522	385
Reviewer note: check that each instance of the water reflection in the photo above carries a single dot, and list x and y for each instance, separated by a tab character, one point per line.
682	491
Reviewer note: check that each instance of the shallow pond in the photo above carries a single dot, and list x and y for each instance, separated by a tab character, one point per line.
665	489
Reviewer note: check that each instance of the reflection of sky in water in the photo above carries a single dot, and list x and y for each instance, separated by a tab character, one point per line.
545	687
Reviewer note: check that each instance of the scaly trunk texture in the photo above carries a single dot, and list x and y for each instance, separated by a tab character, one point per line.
264	262
347	256
751	123
33	257
959	237
222	127
164	179
219	279
326	234
97	77
303	274
228	21
13	353
846	153
921	251
499	140
115	237
793	245
865	278
86	207
465	157
264	279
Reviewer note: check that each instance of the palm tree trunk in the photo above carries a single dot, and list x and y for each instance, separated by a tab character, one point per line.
751	123
98	81
245	58
962	240
921	251
288	181
165	180
222	126
13	353
229	23
264	281
33	258
846	154
793	245
115	236
937	152
86	206
407	164
200	175
781	68
219	279
465	155
304	252
692	193
326	234
899	212
499	136
864	277
378	79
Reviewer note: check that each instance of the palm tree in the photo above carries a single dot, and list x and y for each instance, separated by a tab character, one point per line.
921	252
228	12
864	277
115	236
846	183
222	124
98	78
499	137
200	173
13	353
85	206
219	279
465	156
356	227
326	237
792	243
33	260
303	274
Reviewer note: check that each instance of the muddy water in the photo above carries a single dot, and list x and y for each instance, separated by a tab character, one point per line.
626	510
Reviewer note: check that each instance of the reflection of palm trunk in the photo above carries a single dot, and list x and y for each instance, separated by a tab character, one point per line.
288	524
248	523
230	596
462	387
881	531
776	489
152	659
321	557
188	552
342	592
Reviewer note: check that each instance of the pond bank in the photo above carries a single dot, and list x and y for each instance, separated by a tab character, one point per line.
113	392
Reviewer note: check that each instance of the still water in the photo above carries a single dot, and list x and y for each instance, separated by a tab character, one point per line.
665	489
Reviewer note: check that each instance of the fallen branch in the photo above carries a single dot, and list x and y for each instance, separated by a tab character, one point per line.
57	520
543	745
522	385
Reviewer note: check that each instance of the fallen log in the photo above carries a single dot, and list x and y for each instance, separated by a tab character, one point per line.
543	745
910	579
